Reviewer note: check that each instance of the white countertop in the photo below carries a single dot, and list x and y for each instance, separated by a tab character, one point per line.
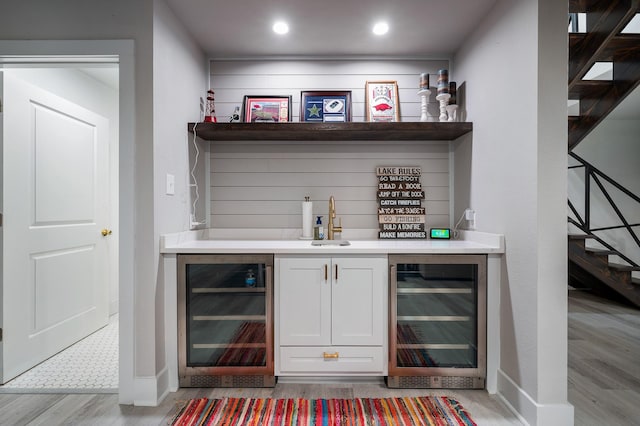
471	242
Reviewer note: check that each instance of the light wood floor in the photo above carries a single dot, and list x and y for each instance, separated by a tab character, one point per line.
604	383
604	361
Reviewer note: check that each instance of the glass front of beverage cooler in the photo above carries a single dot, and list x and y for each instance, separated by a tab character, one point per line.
437	321
225	318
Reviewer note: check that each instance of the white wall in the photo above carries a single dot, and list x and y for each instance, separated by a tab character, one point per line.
261	184
232	80
614	149
179	80
518	188
82	89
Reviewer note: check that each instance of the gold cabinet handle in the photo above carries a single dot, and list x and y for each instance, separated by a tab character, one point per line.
106	232
334	355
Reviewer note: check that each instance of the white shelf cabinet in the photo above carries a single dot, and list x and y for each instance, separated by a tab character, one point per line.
331	315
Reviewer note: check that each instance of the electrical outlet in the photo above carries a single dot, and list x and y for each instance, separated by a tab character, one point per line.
470	216
192	222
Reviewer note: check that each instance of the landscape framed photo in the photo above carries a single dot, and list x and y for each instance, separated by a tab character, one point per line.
323	106
266	109
381	101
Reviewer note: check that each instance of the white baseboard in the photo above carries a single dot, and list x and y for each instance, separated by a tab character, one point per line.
150	391
528	410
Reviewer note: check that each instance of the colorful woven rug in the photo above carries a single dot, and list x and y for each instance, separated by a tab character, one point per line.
426	410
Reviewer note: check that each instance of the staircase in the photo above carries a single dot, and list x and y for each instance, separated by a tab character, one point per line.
590	267
603	42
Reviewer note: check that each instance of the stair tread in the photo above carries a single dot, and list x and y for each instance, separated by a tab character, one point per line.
600	252
620	44
594	109
577	6
590	89
621	267
580	236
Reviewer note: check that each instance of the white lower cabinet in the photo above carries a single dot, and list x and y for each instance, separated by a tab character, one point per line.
331	315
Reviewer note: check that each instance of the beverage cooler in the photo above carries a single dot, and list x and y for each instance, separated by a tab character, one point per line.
437	321
225	320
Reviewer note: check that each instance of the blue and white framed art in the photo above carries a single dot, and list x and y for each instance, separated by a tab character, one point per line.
325	106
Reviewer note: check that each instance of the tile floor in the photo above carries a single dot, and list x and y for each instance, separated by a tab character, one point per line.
89	366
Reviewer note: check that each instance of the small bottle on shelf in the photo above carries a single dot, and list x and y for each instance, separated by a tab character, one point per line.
250	279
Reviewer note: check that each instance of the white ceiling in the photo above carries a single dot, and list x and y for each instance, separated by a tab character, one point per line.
329	28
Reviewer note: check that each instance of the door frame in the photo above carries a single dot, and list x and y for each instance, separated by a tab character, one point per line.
23	52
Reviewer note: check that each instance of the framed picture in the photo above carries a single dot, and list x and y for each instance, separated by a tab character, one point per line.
266	109
381	101
325	106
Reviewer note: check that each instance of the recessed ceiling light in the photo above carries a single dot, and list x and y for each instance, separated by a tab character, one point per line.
381	28
280	27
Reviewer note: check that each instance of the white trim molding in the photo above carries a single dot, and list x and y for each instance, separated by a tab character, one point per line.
151	390
528	410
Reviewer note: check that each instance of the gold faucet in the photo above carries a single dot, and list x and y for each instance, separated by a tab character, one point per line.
332	215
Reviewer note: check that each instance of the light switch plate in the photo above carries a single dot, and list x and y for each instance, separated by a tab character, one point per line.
171	184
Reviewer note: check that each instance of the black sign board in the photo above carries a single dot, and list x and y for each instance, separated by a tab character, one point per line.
400	195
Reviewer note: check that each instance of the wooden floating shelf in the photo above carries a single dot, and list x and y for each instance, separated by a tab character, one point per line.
331	131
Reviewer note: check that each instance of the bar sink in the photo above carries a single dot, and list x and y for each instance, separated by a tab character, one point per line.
330	243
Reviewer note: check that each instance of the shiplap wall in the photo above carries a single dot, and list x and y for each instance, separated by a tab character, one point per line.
262	184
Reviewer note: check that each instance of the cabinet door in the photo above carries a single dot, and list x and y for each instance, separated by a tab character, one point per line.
359	301
305	301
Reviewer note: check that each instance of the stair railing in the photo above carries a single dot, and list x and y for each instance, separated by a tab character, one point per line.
573	21
592	174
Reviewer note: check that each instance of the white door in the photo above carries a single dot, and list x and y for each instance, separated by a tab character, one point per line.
358	300
54	206
305	301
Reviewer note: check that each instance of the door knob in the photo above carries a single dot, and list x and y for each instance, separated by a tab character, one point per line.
106	232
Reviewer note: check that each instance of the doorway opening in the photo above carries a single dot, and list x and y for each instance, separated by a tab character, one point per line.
91	84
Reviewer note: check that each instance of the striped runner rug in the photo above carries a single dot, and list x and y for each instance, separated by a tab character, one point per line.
425	410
